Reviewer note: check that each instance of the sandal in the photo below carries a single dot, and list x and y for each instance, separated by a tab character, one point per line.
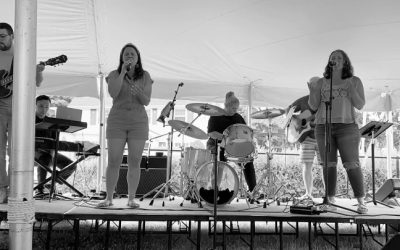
104	204
133	204
362	208
306	197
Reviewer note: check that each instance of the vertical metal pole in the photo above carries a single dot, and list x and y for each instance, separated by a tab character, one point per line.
100	171
389	146
21	210
250	104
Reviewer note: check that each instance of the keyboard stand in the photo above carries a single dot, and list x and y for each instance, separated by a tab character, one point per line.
58	173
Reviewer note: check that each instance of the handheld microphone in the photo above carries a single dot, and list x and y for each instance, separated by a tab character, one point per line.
332	63
129	66
180	84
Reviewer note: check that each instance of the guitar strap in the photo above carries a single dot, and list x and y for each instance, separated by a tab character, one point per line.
12	67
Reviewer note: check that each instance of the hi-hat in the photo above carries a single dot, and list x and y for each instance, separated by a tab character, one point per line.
206	109
188	129
268	113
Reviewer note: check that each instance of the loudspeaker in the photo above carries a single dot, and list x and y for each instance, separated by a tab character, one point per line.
387	188
393	243
153	172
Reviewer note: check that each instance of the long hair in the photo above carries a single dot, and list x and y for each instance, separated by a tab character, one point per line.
347	71
138	67
231	99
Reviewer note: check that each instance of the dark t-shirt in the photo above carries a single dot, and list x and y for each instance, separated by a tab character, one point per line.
220	123
44	133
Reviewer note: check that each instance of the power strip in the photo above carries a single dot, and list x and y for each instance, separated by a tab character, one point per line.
310	210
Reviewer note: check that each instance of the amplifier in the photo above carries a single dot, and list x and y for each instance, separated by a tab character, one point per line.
153	172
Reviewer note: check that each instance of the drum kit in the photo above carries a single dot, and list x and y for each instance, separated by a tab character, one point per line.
206	179
199	166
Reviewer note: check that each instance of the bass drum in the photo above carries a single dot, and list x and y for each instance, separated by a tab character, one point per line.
227	181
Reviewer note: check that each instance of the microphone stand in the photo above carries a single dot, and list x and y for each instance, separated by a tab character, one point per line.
328	133
168	179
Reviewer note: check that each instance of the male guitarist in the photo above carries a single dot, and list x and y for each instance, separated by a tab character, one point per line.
302	126
6	71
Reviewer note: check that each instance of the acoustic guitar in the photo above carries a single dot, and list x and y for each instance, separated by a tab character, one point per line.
6	79
300	126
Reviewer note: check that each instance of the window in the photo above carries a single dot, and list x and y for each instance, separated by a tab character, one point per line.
180	114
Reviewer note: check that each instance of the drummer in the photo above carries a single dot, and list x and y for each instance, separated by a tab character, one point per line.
219	124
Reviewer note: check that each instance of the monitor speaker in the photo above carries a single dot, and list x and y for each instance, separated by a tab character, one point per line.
387	189
153	172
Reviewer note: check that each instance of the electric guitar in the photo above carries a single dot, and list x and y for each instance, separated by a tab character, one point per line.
6	79
300	126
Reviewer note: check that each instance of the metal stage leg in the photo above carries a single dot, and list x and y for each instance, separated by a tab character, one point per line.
49	229
139	235
169	230
309	235
198	240
107	235
252	233
359	229
224	235
336	235
281	235
76	230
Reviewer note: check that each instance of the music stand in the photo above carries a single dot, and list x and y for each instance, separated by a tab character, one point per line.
370	131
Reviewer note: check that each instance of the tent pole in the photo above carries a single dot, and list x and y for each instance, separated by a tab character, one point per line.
250	101
389	145
21	214
101	163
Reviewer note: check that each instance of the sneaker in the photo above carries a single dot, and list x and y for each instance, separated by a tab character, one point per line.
3	195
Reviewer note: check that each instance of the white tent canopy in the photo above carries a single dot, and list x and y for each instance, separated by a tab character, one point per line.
217	46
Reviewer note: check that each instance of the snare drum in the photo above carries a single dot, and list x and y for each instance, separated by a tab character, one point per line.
238	140
227	180
193	159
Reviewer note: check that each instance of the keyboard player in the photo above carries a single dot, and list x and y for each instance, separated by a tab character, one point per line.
44	156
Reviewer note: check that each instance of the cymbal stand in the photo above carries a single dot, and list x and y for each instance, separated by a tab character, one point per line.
267	174
166	185
215	156
148	155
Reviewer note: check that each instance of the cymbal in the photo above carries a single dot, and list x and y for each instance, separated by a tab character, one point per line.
268	113
189	130
206	109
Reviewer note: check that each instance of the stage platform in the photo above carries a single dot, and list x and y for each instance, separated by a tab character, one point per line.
173	210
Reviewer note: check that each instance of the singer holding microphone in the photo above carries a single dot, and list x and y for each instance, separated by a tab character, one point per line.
347	95
130	88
